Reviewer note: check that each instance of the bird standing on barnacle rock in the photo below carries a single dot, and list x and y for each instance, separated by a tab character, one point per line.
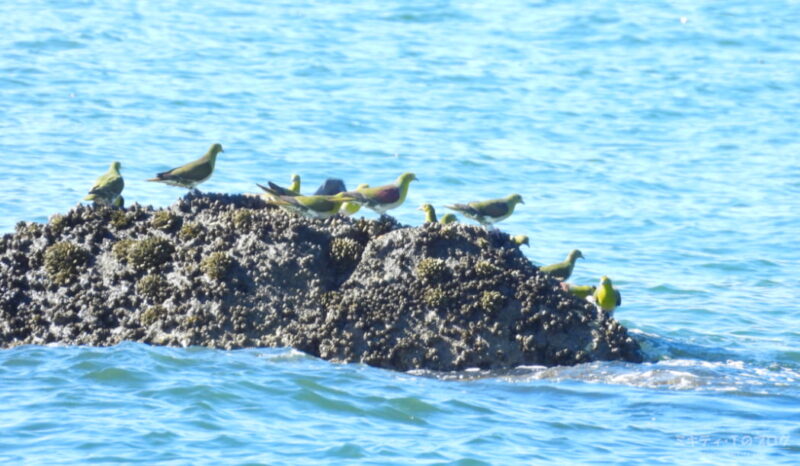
581	291
310	206
386	197
606	297
430	213
448	218
519	240
295	186
193	173
562	270
488	212
108	188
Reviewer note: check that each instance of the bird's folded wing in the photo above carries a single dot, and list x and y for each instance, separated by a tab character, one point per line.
383	194
318	203
197	170
108	185
493	209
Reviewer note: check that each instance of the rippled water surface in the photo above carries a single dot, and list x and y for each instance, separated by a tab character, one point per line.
658	137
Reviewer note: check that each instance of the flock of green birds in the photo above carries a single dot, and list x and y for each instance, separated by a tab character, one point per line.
335	199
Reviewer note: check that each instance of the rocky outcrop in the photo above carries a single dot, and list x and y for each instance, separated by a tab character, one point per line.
230	272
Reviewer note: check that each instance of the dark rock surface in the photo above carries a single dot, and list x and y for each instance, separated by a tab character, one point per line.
230	272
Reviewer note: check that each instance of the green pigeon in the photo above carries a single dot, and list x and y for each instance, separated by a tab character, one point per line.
581	291
605	296
277	191
350	208
383	198
448	218
562	270
193	173
430	213
317	206
107	188
519	240
488	212
295	186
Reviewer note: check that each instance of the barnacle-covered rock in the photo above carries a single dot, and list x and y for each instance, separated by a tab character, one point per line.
431	270
190	231
149	253
345	252
153	286
63	260
229	271
216	265
165	220
242	218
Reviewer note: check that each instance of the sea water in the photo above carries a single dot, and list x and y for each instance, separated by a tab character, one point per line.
659	137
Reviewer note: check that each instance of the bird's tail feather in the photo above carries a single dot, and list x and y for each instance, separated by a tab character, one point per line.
268	190
352	196
280	190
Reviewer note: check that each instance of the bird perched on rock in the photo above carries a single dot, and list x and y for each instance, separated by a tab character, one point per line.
519	240
581	291
193	173
562	270
295	186
383	198
350	208
329	187
489	212
277	191
108	188
605	296
310	206
430	213
448	218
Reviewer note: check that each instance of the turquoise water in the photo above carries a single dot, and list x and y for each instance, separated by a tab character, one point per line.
659	138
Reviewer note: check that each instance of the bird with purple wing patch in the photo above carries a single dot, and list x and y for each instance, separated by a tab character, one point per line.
383	198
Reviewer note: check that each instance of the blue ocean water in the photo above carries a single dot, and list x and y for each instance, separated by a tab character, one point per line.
658	137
